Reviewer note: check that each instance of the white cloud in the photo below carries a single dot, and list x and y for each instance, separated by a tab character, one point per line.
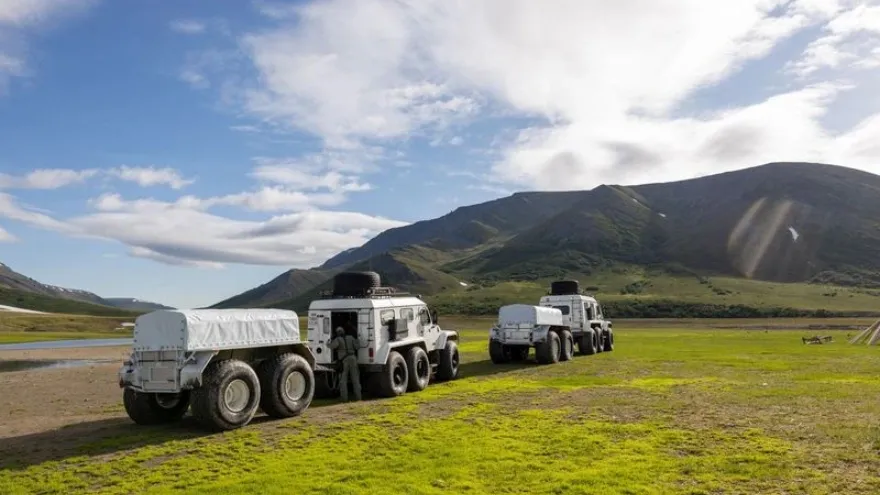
609	79
851	38
6	236
17	19
53	178
151	176
331	73
184	233
187	26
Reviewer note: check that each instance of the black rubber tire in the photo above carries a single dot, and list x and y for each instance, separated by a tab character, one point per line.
326	385
394	379
609	341
208	405
450	360
419	367
565	287
273	374
520	353
566	350
600	340
587	344
498	352
154	409
548	351
355	283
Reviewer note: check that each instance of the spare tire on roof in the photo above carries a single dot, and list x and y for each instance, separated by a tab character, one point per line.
565	287
355	283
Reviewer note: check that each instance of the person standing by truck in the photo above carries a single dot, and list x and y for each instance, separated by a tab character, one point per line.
348	347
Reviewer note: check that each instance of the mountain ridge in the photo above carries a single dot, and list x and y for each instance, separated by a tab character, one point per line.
787	222
19	287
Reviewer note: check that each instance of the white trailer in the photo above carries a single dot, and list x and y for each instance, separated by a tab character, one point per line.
521	327
224	364
401	344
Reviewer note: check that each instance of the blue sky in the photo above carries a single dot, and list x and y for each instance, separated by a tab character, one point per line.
185	151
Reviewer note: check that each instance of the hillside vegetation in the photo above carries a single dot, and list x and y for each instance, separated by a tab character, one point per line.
51	298
37	302
781	238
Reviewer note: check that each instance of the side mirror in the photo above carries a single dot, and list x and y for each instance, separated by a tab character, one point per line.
434	316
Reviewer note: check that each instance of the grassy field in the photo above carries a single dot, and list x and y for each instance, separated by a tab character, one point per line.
635	284
24	327
683	407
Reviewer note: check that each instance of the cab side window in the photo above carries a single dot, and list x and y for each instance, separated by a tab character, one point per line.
407	314
386	315
424	316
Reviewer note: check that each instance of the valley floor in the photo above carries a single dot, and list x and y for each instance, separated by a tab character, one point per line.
678	407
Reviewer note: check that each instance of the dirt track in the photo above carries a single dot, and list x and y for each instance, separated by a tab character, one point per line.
45	410
54	414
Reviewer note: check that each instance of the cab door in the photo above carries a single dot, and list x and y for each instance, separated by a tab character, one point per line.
319	336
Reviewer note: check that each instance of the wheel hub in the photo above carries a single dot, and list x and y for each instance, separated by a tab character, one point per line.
237	395
295	386
398	375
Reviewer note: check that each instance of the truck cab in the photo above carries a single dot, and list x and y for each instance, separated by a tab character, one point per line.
583	315
401	343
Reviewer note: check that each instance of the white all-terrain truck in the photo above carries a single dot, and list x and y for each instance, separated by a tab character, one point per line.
583	315
563	318
401	344
223	364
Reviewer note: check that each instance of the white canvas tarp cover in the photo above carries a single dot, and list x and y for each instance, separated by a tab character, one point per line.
209	329
516	314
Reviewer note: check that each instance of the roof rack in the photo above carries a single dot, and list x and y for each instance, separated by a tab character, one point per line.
374	293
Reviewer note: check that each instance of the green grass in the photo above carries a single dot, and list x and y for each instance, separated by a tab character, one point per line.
683	407
37	302
24	327
625	288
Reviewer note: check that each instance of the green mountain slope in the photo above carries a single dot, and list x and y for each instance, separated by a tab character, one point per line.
14	281
38	302
289	285
802	230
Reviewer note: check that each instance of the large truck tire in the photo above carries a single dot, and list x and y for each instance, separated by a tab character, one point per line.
326	385
154	409
394	379
609	341
566	350
497	352
587	344
355	283
449	362
419	367
229	395
287	383
565	287
547	352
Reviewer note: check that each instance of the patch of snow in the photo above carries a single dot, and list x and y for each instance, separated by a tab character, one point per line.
462	284
20	310
794	234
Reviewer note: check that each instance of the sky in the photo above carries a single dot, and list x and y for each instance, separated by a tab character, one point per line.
182	152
